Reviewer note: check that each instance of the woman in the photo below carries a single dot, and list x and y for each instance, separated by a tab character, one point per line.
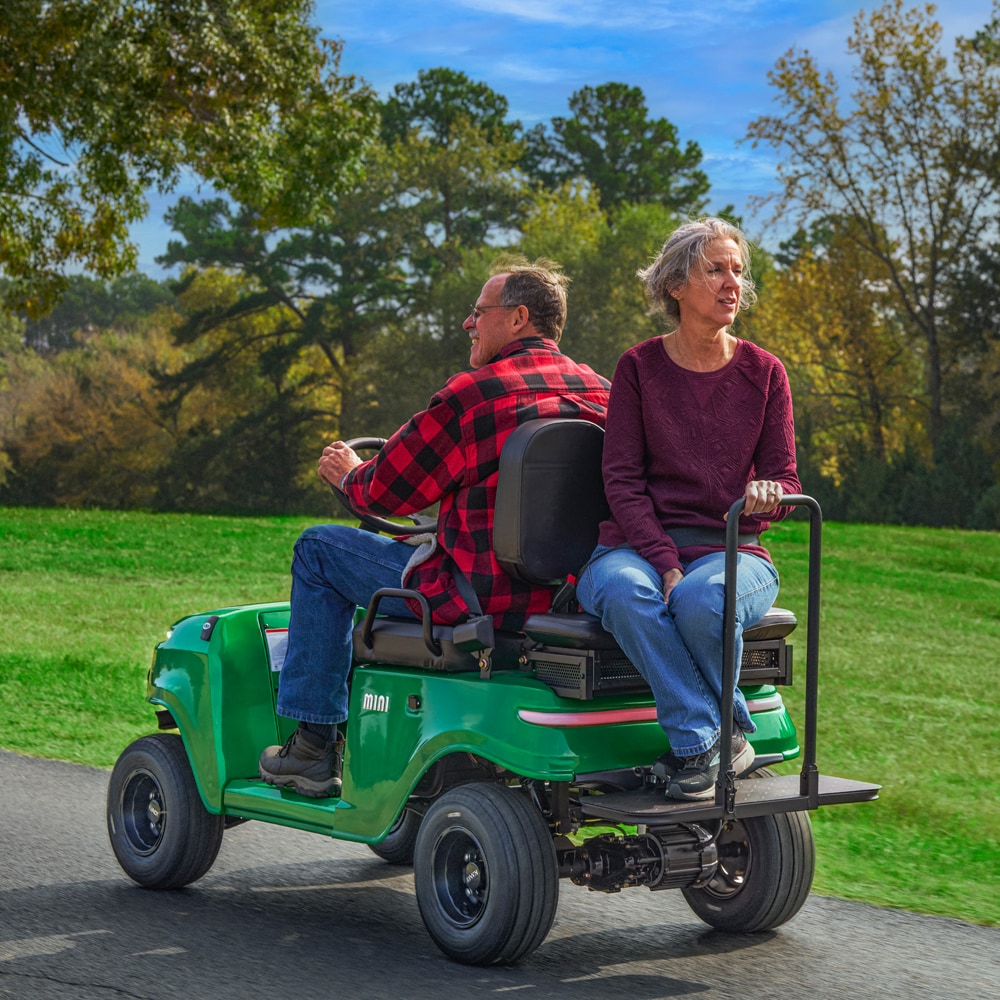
697	418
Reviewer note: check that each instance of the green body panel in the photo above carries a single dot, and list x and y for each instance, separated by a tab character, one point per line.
221	694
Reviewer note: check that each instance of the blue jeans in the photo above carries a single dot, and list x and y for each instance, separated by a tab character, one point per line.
677	647
334	570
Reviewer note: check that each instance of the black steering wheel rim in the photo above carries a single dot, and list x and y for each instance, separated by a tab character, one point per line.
419	523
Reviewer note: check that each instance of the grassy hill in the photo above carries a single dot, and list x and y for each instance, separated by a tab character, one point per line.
909	692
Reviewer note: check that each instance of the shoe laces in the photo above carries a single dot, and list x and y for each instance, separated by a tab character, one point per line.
703	759
289	743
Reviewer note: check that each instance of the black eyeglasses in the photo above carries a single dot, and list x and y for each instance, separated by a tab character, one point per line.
477	311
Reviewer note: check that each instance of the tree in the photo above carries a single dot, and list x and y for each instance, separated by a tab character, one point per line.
627	156
101	100
350	289
88	303
15	360
240	403
829	315
454	154
327	288
914	162
440	99
82	427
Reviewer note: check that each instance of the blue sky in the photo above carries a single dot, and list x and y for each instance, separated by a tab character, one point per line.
705	70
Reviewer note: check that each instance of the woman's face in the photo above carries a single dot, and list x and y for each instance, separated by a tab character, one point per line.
711	296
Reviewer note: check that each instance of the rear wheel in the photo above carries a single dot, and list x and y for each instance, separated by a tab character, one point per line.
766	866
486	876
399	843
161	833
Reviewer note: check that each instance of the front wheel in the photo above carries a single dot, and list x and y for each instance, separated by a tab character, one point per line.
766	866
486	876
161	833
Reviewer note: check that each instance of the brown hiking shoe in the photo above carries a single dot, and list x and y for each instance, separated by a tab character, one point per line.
307	764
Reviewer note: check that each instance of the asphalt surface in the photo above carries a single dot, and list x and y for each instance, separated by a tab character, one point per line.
290	914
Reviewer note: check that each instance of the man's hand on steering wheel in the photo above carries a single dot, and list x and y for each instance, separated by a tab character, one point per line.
336	461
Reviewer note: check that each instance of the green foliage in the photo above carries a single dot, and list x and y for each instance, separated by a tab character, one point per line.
103	99
88	304
958	488
910	643
441	100
608	312
454	160
912	162
330	304
624	154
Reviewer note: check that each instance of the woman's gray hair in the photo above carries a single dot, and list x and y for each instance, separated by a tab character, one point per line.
684	250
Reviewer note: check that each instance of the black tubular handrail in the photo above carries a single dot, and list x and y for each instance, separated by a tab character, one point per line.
725	796
426	623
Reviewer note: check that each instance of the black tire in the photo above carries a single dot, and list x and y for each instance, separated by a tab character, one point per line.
486	876
400	841
161	833
766	867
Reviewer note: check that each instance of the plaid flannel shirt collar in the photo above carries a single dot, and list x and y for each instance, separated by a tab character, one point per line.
532	343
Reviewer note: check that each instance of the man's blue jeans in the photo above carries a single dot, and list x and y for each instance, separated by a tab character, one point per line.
334	570
678	647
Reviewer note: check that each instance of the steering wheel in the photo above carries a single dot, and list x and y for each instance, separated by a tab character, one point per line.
419	523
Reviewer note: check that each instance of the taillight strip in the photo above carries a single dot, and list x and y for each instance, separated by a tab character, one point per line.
646	713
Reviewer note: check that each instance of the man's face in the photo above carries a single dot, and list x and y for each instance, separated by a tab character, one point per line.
491	325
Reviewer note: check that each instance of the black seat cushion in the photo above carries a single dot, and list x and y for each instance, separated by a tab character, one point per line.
400	641
583	631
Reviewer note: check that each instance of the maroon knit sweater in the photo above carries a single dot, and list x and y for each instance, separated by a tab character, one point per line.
681	446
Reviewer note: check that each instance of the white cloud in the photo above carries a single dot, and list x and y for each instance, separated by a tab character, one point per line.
653	15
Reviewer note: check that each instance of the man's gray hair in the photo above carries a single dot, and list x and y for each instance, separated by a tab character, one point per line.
538	285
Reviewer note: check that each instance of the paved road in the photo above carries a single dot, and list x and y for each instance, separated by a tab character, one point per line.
289	914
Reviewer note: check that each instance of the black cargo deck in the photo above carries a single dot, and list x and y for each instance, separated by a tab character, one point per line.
756	796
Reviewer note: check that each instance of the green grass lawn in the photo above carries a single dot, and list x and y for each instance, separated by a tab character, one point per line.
909	691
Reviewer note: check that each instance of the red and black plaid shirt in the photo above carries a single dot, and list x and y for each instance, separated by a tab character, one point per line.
451	452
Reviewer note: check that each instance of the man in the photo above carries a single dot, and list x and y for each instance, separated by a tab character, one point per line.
450	453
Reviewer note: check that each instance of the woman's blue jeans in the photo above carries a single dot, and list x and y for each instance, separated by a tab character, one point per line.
677	647
334	570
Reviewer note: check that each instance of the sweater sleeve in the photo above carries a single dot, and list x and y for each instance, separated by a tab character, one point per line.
624	465
774	457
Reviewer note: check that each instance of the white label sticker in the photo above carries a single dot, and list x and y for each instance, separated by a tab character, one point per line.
277	646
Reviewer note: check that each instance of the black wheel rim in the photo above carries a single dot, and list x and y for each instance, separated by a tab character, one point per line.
461	877
143	812
735	860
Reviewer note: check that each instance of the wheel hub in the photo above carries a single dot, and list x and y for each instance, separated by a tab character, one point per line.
143	812
473	875
154	811
461	876
735	859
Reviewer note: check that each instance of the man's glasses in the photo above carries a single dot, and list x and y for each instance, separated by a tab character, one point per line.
477	311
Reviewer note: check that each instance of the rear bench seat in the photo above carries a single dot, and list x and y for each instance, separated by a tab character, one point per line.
550	502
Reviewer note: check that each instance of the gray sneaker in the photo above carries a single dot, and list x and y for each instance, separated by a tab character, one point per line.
307	764
697	778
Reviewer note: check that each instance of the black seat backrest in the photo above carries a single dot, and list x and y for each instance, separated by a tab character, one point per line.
550	499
